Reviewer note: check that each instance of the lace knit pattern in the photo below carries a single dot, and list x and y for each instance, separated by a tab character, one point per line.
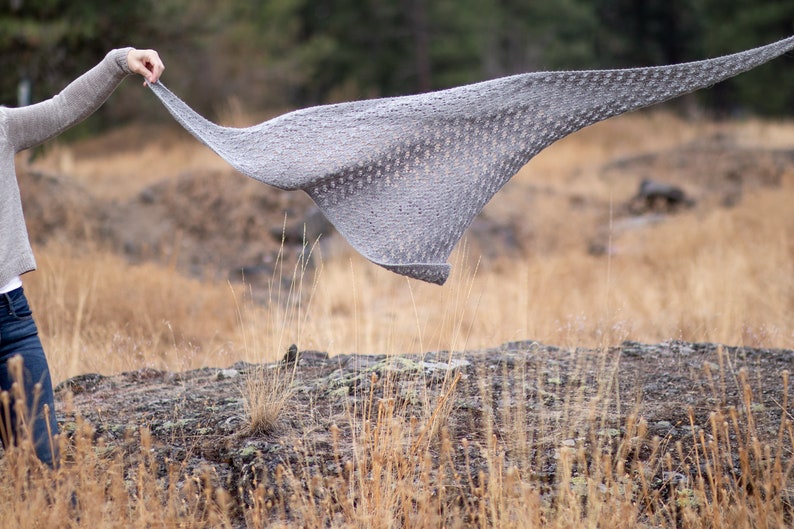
402	178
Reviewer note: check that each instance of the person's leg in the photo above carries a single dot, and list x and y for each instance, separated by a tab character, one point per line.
19	336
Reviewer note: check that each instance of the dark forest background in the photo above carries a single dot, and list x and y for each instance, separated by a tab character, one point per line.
292	53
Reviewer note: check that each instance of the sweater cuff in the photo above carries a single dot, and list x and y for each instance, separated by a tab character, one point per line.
119	57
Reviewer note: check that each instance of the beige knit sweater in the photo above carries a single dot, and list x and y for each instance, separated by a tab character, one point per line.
22	128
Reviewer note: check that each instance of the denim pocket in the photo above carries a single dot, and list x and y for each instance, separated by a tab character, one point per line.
24	314
19	310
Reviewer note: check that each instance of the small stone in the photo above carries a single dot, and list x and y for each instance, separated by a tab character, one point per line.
227	373
674	478
663	426
609	432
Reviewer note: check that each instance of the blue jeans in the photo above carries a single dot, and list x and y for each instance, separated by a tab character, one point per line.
19	336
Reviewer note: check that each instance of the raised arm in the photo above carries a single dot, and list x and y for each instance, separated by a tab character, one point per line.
34	124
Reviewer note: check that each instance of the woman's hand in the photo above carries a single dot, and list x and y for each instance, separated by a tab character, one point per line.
147	63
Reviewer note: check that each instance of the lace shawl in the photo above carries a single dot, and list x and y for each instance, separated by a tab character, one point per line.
402	178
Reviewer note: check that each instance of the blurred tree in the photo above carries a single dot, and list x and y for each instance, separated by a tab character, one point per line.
277	53
529	36
333	50
259	45
648	32
367	43
741	24
346	49
50	42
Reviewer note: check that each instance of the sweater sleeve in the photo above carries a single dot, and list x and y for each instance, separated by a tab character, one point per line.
31	125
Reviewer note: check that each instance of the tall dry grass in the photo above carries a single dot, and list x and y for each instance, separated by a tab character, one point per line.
726	277
405	471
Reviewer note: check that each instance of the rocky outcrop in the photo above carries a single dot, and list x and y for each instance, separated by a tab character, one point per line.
525	400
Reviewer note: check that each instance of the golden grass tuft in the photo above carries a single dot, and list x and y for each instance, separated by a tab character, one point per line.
266	393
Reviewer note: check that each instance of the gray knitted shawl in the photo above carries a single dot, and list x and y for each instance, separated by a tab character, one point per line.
402	178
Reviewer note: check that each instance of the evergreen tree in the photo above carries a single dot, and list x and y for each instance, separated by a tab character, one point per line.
276	53
49	42
741	24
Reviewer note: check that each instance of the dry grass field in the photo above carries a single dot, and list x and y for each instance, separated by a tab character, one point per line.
712	273
721	271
